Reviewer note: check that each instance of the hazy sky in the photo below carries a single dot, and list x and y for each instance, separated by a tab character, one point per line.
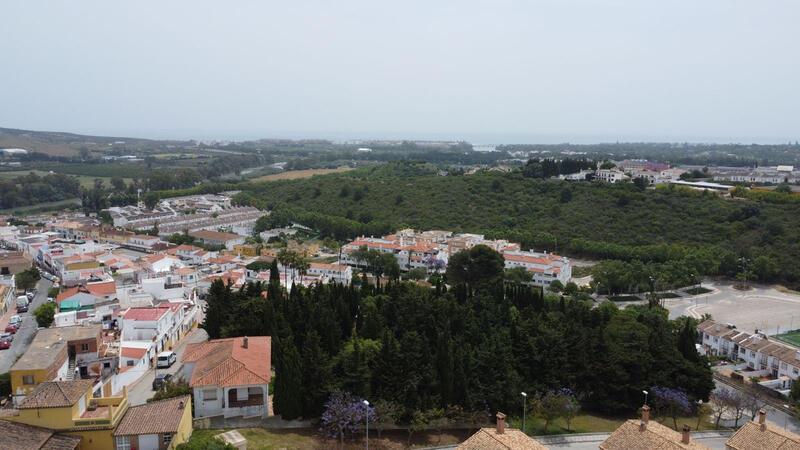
486	71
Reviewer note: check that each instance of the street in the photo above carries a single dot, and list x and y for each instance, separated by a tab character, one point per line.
762	307
142	389
24	336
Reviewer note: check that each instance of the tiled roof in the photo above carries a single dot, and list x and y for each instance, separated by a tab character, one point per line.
132	352
510	439
163	416
20	436
341	267
146	314
752	437
655	436
214	235
56	394
225	362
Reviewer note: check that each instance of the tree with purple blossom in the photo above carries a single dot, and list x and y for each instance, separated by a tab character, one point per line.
721	401
671	402
344	414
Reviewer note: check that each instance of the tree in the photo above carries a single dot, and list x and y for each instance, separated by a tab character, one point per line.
343	415
118	183
386	413
671	402
518	275
288	398
418	422
151	199
555	286
475	267
721	400
27	279
45	314
172	389
551	405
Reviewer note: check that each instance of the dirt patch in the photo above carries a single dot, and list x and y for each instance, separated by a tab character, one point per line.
297	174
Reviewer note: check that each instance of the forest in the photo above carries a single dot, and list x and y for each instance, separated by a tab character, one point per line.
32	189
671	230
474	346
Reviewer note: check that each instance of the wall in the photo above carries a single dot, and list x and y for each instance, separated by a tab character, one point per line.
185	427
204	408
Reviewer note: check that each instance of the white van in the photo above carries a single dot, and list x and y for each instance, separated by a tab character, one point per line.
166	359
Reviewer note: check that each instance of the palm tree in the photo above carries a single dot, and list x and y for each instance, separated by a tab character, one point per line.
285	258
302	265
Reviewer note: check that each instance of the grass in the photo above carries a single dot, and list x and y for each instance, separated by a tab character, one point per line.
593	423
697	291
624	298
297	174
307	438
43	207
669	295
792	338
84	180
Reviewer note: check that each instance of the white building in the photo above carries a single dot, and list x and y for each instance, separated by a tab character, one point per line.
611	175
545	267
337	273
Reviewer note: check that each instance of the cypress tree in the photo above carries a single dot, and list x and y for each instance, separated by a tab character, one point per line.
287	400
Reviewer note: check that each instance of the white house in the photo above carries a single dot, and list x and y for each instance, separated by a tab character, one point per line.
164	288
143	241
611	175
163	263
229	377
545	267
337	273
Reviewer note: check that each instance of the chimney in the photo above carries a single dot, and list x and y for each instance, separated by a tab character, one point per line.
180	405
642	426
762	419
686	430
645	414
244	342
501	423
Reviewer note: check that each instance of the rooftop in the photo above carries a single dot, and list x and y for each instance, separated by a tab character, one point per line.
632	434
49	342
22	436
56	394
510	439
226	362
214	235
751	436
163	416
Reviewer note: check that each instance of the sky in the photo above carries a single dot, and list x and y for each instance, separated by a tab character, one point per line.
498	71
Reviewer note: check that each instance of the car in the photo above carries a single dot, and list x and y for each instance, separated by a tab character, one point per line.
5	344
160	380
166	359
12	328
15	319
50	300
30	294
22	308
7	336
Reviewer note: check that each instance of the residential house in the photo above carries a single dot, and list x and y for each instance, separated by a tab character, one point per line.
611	175
23	436
544	267
229	377
75	408
217	238
86	296
643	434
159	325
12	263
143	241
762	436
163	263
500	438
337	273
164	288
186	251
158	425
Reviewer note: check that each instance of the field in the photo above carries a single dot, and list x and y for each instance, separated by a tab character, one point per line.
85	180
43	207
792	338
298	174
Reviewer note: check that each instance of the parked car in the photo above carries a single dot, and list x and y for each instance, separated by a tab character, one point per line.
160	380
166	359
5	344
12	328
50	300
30	294
7	336
15	319
22	308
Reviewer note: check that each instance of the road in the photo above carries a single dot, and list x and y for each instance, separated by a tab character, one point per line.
141	390
24	336
762	307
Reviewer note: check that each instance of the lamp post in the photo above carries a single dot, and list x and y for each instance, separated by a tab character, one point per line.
366	417
645	397
524	409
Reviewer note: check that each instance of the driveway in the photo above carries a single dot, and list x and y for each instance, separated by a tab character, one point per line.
24	336
142	389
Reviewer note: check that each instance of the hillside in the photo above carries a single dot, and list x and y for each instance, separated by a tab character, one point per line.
55	143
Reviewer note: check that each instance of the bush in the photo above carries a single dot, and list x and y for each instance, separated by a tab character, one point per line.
45	314
205	442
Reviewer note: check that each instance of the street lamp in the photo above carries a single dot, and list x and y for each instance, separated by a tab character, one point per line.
786	416
366	417
524	410
645	397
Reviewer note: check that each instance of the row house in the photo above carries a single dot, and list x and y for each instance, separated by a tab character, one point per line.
756	350
544	267
159	325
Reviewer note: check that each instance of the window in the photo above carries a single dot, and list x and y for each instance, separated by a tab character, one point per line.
84	347
209	394
27	379
130	362
123	443
106	365
167	438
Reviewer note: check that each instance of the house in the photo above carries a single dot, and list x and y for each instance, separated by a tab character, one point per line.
217	238
762	436
337	273
229	377
61	353
23	436
7	298
500	438
143	241
643	434
76	408
544	267
86	296
186	251
12	263
159	325
611	175
162	424
163	263
164	288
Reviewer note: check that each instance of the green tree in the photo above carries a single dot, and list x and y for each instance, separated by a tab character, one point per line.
475	267
151	199
171	390
518	275
288	398
45	314
27	279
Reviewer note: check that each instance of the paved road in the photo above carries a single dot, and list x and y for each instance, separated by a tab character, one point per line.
774	416
763	307
24	336
139	392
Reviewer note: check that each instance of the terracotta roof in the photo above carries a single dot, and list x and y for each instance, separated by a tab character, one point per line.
214	235
19	436
132	352
511	439
751	436
630	435
341	267
225	362
163	416
146	314
56	394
